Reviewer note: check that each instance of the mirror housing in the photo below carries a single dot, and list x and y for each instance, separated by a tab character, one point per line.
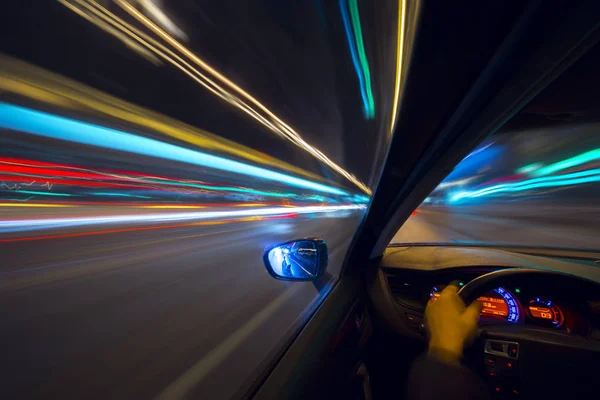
297	260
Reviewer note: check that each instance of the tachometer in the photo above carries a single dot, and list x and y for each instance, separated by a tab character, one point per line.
498	303
546	311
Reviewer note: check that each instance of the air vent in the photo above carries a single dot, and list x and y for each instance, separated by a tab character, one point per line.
407	291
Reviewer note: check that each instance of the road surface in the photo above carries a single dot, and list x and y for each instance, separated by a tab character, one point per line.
118	313
528	224
139	310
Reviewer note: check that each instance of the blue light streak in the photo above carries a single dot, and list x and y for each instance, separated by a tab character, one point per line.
55	127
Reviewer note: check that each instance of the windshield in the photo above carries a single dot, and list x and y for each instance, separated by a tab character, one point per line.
536	182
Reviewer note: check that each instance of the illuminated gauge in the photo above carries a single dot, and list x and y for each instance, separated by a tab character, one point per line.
545	310
435	292
498	303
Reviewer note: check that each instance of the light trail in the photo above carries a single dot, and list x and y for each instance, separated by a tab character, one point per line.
592	155
24	204
275	124
399	57
22	170
353	54
51	223
576	178
39	85
360	46
55	127
160	17
477	151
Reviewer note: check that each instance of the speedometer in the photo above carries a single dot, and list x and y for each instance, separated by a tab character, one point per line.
497	304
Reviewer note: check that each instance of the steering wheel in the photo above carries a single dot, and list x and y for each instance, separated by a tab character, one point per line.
527	361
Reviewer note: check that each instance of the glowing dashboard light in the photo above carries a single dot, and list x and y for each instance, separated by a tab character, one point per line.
513	308
501	305
545	310
55	127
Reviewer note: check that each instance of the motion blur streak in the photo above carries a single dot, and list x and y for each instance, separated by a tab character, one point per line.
553	181
20	170
47	125
276	125
355	62
161	18
137	229
356	27
31	82
586	157
47	223
107	28
399	55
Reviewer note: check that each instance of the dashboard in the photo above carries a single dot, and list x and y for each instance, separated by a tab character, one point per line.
533	306
558	308
409	278
532	325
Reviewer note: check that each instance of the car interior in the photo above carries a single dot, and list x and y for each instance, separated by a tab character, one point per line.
475	71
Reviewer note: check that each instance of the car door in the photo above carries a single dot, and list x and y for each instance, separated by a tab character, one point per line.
508	54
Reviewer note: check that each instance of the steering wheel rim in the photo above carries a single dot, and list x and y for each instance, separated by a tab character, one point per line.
484	283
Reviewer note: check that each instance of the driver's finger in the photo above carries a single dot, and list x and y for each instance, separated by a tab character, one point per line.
449	290
472	312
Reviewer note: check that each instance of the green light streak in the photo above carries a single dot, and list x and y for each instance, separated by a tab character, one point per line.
120	195
575	178
586	157
529	168
224	188
356	27
43	193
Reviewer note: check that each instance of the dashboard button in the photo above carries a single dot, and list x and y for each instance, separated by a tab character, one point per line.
413	319
513	350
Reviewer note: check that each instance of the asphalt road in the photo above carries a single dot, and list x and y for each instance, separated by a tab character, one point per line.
172	310
139	313
528	224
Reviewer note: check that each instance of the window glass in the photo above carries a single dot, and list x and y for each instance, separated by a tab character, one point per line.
536	182
150	151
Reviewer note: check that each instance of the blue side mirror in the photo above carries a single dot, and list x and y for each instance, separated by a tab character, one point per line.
297	260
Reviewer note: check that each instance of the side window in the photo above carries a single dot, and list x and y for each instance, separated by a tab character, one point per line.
149	153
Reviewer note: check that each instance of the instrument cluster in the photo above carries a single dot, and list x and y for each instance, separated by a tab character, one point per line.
513	306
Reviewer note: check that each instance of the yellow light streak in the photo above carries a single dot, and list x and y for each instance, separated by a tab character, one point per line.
35	205
25	80
284	129
399	56
169	206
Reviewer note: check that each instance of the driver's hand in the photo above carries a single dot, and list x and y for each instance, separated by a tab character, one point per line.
451	324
